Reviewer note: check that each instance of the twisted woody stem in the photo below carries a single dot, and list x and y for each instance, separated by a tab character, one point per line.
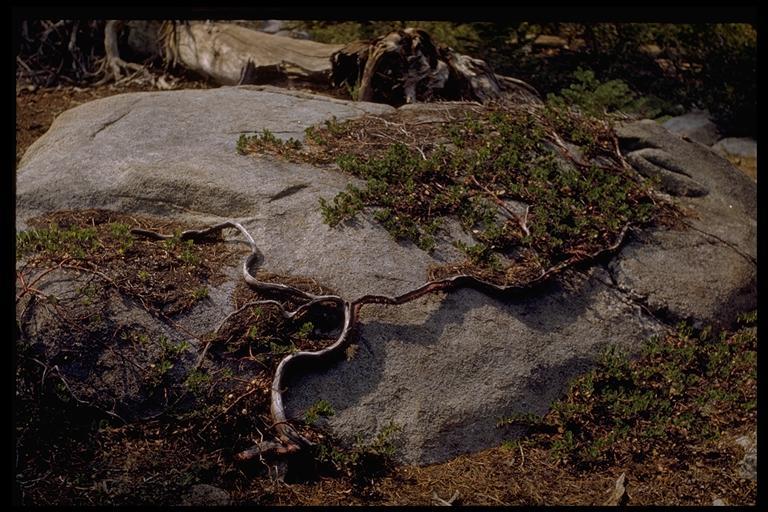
289	440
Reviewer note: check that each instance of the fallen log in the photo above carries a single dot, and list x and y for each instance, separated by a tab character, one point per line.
403	66
231	54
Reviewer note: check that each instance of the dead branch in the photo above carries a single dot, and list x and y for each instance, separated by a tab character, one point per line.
512	215
445	503
112	61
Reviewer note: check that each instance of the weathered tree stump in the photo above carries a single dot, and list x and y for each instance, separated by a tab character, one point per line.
403	66
406	66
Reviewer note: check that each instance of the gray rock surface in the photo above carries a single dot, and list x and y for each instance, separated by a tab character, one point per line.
277	27
744	147
706	273
696	124
748	465
175	155
272	26
444	368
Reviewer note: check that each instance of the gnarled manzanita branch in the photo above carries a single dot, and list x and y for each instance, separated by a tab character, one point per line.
290	440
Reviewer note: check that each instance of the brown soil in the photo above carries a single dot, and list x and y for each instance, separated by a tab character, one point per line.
506	476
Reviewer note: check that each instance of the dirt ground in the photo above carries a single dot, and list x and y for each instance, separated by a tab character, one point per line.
505	475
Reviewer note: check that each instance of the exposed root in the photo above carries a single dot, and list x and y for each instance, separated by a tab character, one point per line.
266	449
112	66
289	440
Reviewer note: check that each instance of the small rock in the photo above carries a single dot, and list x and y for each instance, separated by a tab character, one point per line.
697	125
272	26
737	146
294	34
545	41
619	496
748	465
718	503
205	495
741	152
651	50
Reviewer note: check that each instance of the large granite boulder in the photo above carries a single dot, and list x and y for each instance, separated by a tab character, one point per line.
446	367
704	273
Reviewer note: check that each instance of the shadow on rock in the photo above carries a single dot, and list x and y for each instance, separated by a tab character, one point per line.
445	369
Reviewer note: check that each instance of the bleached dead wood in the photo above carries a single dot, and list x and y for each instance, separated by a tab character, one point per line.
231	54
403	66
406	66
